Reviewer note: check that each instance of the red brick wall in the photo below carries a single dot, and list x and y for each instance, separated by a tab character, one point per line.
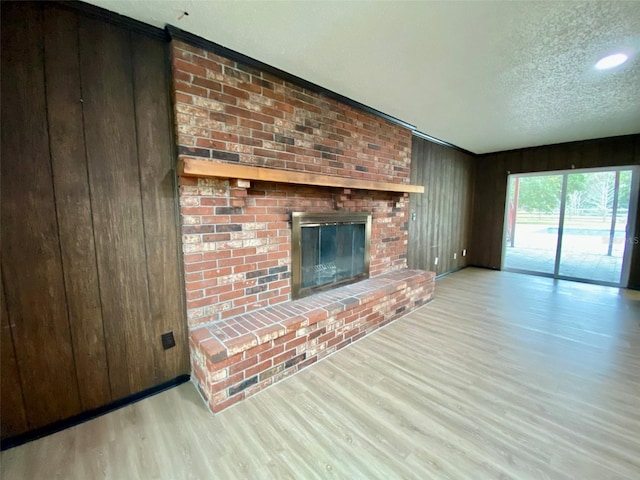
236	240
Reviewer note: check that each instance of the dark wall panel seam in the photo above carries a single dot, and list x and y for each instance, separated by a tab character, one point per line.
56	208
93	226
13	346
149	320
172	128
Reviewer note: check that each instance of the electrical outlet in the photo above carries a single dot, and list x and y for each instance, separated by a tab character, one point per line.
455	255
435	262
167	340
464	252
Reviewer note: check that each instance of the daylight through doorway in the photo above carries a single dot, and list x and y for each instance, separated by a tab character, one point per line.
571	224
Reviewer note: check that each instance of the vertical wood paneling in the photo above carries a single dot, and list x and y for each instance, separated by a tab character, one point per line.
528	161
486	226
110	132
491	170
499	193
443	212
517	163
73	206
591	156
12	411
157	183
623	152
469	173
450	208
542	159
479	254
574	152
436	201
418	205
90	253
456	214
31	261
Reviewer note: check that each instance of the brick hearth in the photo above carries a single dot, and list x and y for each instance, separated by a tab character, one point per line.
235	358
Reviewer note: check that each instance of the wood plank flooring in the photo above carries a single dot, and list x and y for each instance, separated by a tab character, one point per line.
502	376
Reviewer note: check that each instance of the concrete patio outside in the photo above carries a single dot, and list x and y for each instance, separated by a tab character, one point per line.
584	251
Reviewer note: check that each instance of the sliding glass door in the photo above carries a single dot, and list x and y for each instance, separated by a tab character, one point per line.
533	217
572	224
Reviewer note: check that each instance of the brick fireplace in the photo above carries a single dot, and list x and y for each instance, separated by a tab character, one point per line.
238	129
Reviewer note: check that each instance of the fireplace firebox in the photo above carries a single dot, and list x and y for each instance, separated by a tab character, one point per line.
328	250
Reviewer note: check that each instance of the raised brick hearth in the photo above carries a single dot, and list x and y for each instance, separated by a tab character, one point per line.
232	359
246	332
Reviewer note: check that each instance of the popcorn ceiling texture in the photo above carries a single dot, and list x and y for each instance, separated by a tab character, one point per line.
556	83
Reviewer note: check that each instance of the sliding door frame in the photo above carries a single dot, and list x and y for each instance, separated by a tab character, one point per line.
630	227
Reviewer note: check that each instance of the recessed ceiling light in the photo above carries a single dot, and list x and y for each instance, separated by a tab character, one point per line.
611	61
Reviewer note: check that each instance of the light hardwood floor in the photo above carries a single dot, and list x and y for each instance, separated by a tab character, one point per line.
502	376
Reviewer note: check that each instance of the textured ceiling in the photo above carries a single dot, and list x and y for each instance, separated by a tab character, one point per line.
485	76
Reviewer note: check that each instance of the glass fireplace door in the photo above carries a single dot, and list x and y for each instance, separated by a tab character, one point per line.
329	249
331	253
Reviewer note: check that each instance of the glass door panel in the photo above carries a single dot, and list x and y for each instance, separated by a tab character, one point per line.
595	225
533	218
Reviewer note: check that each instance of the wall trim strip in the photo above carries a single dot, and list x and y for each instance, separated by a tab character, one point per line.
424	136
178	34
108	16
89	415
172	32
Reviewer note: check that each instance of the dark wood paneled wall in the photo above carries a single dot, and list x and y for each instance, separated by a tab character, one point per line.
491	187
442	224
91	273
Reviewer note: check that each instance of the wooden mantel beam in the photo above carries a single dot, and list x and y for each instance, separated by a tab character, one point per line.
190	167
